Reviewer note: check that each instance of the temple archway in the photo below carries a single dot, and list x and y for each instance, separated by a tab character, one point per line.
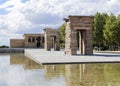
79	33
52	39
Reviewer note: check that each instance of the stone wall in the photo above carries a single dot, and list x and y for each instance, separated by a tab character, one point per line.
17	43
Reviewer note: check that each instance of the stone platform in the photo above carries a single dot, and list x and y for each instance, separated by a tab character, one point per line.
58	57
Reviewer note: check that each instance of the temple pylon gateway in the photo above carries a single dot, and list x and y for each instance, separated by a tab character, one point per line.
52	39
79	35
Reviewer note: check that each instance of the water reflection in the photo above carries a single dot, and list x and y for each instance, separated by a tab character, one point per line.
73	74
54	71
93	75
26	62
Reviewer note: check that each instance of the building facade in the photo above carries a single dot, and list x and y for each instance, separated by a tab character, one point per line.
34	40
49	40
79	35
29	41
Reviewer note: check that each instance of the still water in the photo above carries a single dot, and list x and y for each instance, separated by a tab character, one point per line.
18	70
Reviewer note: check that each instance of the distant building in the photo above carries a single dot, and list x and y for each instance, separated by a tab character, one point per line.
29	41
49	40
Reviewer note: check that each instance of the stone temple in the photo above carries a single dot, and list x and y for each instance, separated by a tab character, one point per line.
79	35
50	39
29	41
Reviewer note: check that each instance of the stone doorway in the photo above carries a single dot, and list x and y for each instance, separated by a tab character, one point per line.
52	39
53	42
79	34
81	41
38	42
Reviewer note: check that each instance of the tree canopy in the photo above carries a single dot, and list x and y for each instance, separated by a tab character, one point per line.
62	35
98	26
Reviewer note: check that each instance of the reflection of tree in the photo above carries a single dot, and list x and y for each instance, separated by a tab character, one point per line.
112	74
21	59
107	74
99	74
53	71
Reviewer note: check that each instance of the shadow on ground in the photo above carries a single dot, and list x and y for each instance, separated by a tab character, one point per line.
101	54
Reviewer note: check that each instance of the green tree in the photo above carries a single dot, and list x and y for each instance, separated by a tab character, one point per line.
109	31
62	35
116	32
99	22
4	46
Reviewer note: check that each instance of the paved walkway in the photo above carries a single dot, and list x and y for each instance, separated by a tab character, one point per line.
58	57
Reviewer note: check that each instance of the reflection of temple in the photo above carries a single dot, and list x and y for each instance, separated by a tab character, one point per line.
53	71
79	75
26	62
86	74
72	75
92	75
75	74
30	64
17	59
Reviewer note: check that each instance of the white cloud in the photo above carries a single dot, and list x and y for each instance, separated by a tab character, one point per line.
35	15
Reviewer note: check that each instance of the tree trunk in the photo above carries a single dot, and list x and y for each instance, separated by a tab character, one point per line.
118	46
99	46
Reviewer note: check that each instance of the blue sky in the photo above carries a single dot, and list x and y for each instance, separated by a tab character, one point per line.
31	16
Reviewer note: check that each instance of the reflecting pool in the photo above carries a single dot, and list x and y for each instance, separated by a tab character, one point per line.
18	70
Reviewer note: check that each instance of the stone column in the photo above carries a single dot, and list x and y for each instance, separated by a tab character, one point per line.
57	42
89	42
47	40
74	45
26	41
70	40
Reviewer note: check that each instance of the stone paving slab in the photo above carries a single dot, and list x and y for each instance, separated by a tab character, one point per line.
58	57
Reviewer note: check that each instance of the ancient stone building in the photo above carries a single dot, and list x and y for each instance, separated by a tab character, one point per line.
52	39
34	40
29	41
79	35
17	43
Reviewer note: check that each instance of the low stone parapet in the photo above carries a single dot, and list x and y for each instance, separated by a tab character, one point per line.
11	50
